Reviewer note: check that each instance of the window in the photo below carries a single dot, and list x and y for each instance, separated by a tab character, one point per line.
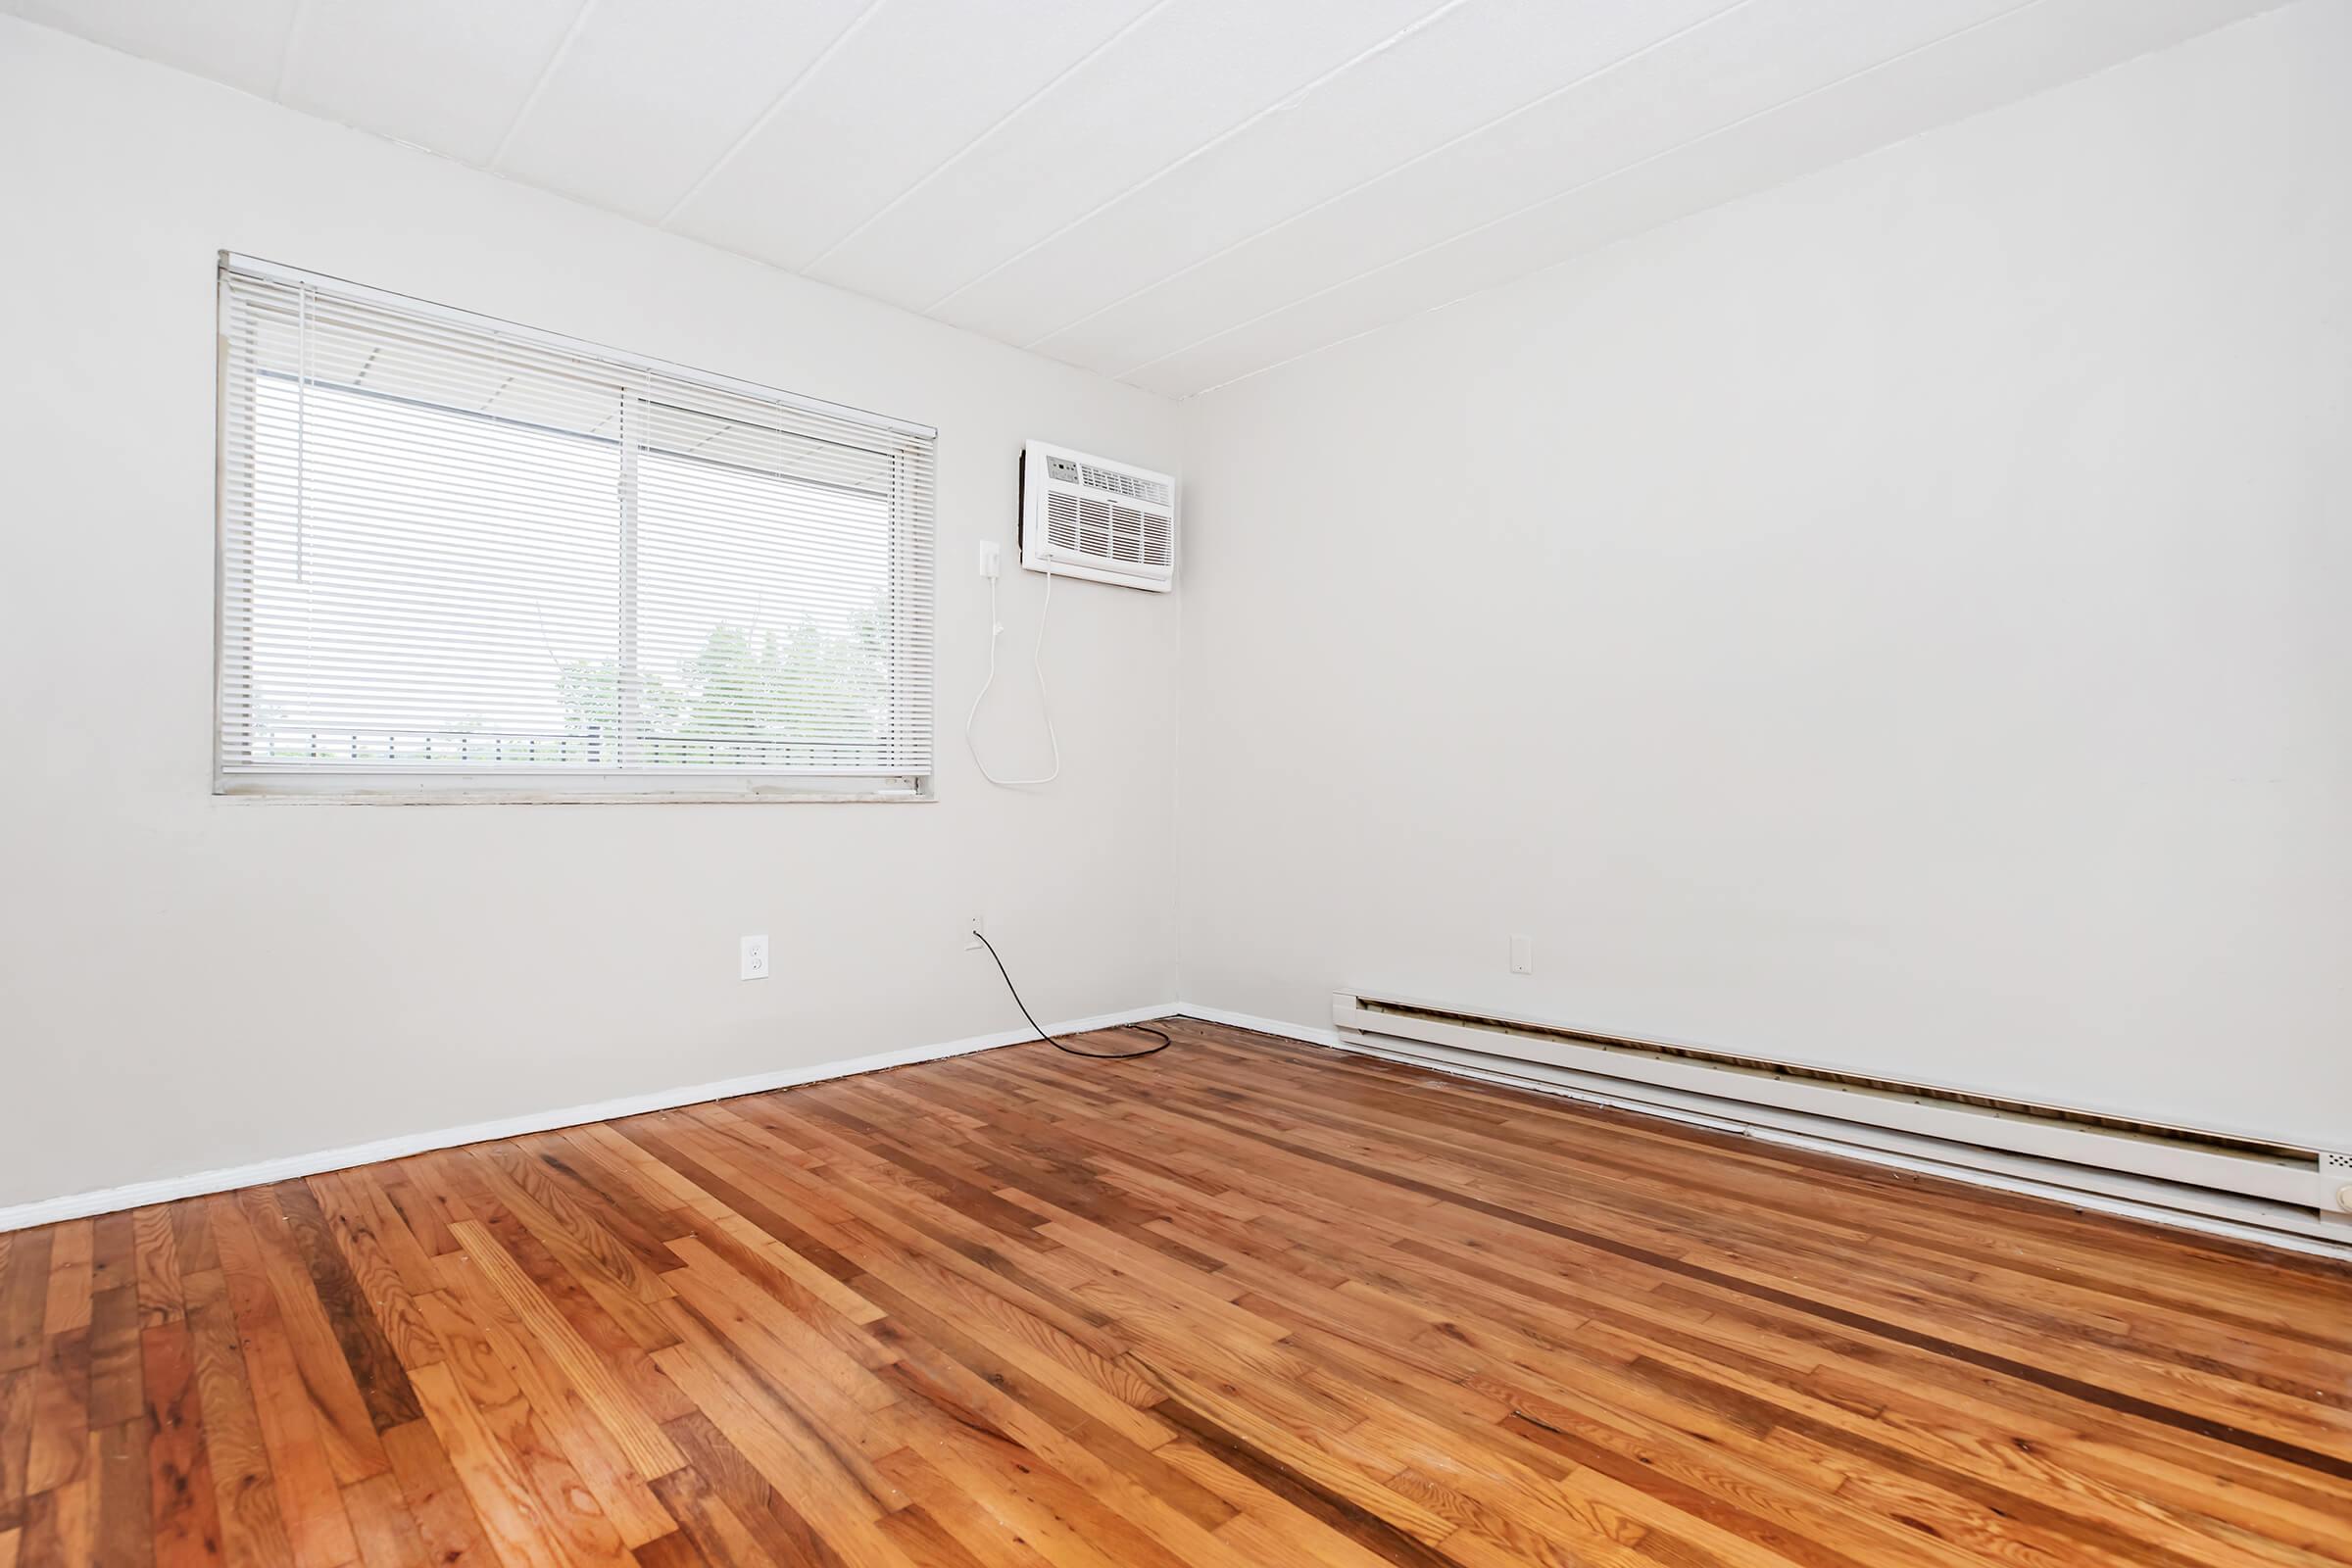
458	556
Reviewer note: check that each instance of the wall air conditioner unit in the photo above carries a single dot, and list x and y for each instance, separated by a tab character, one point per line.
1084	517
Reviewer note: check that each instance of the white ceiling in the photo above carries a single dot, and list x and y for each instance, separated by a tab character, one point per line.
1173	192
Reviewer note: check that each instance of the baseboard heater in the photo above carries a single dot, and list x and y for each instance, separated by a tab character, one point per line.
2223	1180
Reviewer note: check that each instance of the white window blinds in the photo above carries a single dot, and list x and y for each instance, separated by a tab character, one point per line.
457	554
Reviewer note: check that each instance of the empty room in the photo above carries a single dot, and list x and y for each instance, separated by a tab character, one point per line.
1133	783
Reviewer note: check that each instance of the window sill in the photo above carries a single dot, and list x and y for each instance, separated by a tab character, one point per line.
252	795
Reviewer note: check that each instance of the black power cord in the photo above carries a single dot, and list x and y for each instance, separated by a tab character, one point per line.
1090	1055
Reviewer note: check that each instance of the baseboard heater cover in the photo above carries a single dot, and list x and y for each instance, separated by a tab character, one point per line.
2240	1179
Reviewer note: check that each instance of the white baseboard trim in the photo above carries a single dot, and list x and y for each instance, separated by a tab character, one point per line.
1311	1034
164	1190
2050	1191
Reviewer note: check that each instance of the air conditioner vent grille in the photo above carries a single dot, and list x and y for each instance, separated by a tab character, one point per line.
1141	487
1100	528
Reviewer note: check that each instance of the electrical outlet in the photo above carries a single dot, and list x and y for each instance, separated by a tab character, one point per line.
755	957
989	562
973	929
1523	956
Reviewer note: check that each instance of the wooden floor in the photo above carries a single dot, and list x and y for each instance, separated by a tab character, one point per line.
1245	1303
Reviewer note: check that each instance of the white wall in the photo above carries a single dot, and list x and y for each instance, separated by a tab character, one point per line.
1891	622
1897	620
188	983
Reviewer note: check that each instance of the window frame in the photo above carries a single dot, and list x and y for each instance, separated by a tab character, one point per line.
913	528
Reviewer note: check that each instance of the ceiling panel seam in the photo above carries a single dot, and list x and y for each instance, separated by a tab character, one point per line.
1621	171
1480	130
287	45
1340	342
775	107
972	146
1286	102
547	74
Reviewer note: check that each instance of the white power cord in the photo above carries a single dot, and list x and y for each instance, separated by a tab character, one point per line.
1037	662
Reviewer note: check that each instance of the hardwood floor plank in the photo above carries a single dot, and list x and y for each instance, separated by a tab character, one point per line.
25	1298
298	1443
192	1234
598	1385
112	1249
718	1531
951	1391
837	1383
623	1349
502	1499
181	1501
57	1527
555	1170
60	1414
66	1304
445	1518
279	1306
826	1485
719	1171
383	1525
252	1529
1014	1496
504	1448
390	1269
17	1414
116	1392
155	1260
620	1490
778	1529
673	1550
121	1496
597	1273
653	1207
1293	1467
592	1244
375	1368
408	1187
